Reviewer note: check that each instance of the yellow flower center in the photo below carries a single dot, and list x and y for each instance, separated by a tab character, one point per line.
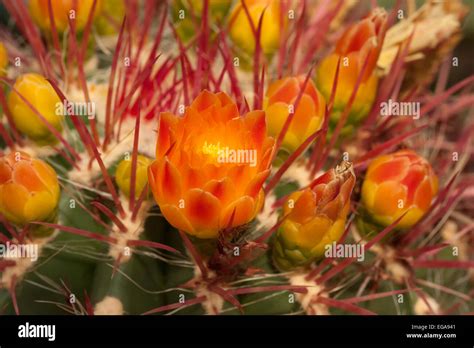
211	150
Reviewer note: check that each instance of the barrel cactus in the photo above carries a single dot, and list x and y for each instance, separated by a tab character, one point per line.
234	157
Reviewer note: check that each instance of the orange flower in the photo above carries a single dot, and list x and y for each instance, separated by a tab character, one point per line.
398	183
29	189
360	42
308	117
315	217
62	10
210	165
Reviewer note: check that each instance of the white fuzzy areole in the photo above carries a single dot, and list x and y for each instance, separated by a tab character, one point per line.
451	234
214	303
22	265
267	217
115	151
32	149
148	135
397	271
17	271
134	230
97	95
421	308
308	300
109	306
299	173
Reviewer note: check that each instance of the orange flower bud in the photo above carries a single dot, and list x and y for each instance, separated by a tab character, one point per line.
308	117
314	217
29	189
360	42
240	29
62	11
399	183
210	165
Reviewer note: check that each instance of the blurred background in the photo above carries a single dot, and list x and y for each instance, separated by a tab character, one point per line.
464	50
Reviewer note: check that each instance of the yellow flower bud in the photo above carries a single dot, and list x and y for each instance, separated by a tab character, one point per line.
29	189
314	218
3	60
241	30
42	96
123	175
62	11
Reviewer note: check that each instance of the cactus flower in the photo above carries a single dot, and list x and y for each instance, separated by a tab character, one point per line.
314	217
42	96
360	42
3	60
124	172
62	10
399	183
210	165
308	117
240	29
187	15
29	189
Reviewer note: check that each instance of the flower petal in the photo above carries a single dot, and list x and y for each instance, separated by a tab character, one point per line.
166	133
255	122
304	207
423	195
256	183
205	100
285	91
25	175
394	169
13	198
388	196
165	181
223	190
176	218
243	210
5	172
203	210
